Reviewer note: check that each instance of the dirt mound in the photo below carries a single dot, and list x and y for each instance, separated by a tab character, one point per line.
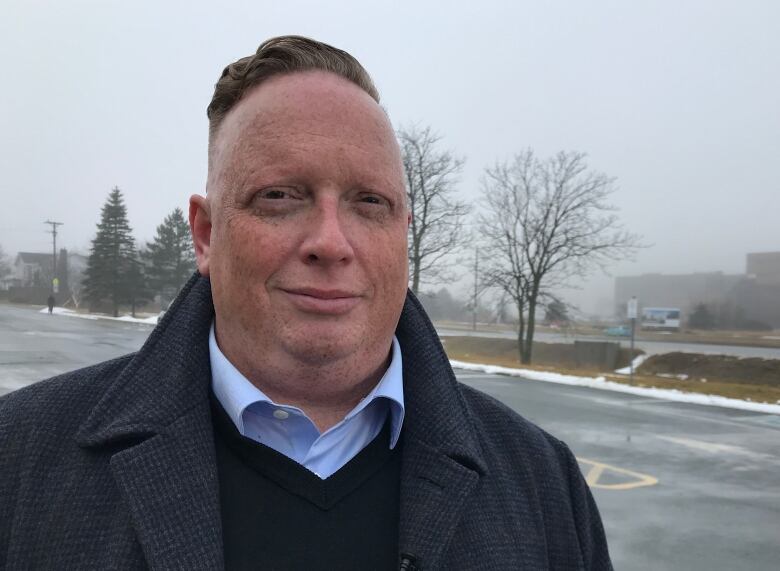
753	371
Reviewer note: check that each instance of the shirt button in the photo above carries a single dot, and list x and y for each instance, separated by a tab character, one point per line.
281	414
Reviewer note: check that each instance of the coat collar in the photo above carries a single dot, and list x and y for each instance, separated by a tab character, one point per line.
156	415
155	422
442	460
168	376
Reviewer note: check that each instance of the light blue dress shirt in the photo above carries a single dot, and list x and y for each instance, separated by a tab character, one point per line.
289	431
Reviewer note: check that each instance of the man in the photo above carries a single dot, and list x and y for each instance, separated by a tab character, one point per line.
294	408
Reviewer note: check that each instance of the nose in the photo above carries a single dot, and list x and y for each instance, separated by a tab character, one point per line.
326	239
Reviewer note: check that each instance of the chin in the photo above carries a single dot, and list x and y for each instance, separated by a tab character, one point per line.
319	353
324	343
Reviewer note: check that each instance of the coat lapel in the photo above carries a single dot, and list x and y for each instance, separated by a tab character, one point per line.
442	459
434	490
155	423
170	484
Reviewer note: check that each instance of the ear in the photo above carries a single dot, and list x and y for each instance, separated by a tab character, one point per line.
200	226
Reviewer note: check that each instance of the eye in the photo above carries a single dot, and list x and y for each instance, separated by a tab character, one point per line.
372	199
277	200
277	194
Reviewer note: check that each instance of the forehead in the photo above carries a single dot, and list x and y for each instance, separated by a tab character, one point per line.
306	114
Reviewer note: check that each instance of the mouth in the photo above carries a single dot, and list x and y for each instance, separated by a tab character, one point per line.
322	301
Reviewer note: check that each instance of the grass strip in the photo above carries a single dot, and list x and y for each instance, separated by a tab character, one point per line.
501	352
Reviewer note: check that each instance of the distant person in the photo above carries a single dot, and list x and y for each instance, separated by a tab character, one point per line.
294	408
50	303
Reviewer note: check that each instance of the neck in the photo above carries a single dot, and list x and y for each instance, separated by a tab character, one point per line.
325	395
325	391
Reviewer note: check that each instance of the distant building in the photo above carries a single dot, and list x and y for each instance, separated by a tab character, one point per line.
31	276
32	269
752	298
764	268
681	290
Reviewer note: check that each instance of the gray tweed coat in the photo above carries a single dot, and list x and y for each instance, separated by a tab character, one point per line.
113	466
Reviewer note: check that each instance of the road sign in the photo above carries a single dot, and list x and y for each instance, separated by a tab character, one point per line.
633	308
55	285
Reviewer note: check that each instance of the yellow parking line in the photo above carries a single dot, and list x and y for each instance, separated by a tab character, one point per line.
597	469
594	474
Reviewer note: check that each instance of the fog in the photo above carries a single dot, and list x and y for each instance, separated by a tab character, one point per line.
677	100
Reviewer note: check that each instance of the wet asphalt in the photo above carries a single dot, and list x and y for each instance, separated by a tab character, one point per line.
680	487
685	487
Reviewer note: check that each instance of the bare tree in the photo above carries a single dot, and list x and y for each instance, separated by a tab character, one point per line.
436	230
75	279
502	230
548	221
501	308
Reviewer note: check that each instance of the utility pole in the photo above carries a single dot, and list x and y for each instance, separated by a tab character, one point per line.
633	311
53	233
476	292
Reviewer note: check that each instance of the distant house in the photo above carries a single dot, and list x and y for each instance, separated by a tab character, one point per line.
32	269
31	276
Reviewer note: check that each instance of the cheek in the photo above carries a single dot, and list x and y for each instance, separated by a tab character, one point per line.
249	253
388	258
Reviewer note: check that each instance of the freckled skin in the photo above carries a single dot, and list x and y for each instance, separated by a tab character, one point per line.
305	190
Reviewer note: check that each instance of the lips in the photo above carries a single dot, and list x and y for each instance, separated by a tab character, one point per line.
322	301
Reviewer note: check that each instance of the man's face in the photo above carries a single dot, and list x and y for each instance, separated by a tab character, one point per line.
303	230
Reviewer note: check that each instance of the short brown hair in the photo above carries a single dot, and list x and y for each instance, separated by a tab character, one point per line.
284	54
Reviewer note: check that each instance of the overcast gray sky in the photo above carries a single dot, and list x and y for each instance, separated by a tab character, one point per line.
680	100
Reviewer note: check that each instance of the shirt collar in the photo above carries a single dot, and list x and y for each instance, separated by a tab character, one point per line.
235	392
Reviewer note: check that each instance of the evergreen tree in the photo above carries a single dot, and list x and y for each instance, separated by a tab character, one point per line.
170	259
701	317
5	265
112	274
138	290
557	312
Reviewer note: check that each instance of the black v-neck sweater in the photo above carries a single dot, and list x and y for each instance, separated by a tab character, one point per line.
276	514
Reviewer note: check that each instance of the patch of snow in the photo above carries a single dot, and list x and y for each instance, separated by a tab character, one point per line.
682	377
603	384
126	318
151	320
69	313
770	337
638	360
57	310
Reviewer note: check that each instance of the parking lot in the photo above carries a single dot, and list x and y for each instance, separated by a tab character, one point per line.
679	486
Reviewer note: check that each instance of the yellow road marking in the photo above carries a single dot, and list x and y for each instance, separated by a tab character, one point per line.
597	469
